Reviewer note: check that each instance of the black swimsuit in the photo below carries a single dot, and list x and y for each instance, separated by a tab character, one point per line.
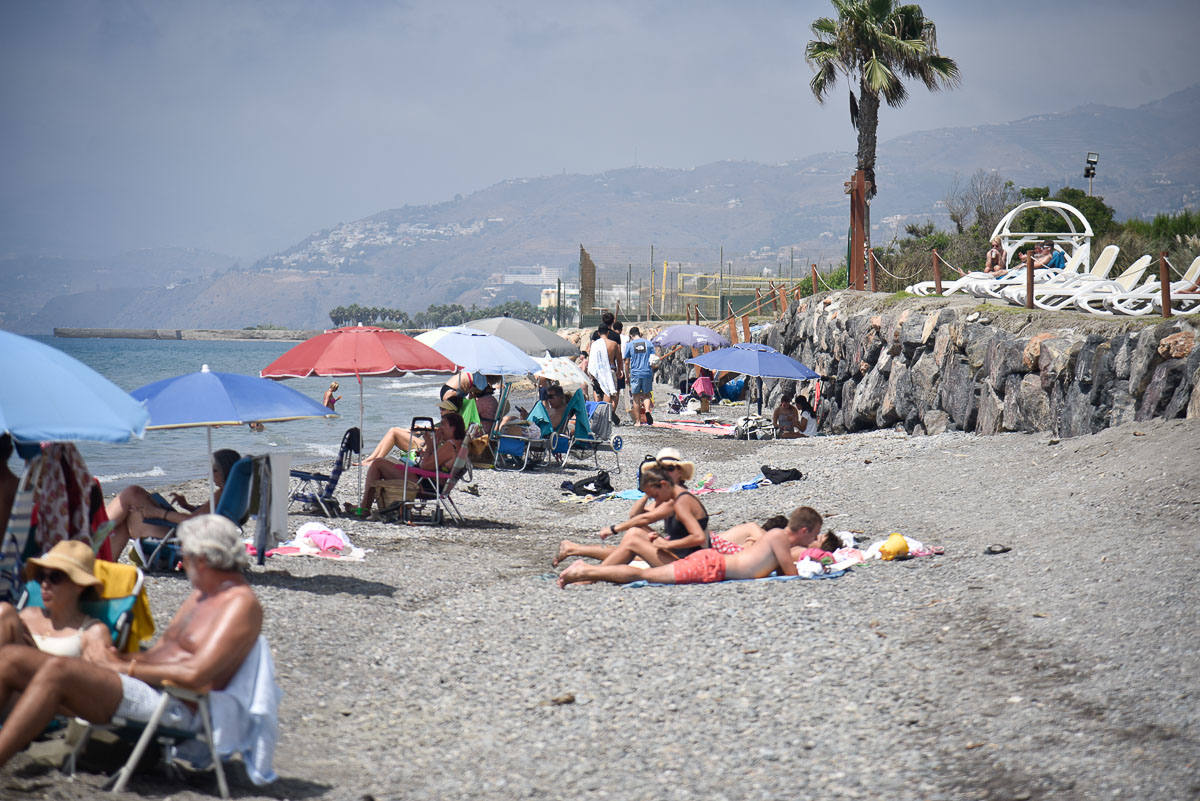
674	530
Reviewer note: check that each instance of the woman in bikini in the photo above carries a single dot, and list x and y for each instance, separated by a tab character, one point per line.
59	626
440	447
646	510
685	526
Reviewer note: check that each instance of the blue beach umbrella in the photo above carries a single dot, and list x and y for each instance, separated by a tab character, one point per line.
479	351
751	358
211	399
47	395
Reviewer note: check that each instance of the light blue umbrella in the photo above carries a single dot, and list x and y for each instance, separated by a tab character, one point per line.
751	358
213	399
692	336
479	351
47	395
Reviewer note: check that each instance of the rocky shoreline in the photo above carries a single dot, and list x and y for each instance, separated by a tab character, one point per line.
449	665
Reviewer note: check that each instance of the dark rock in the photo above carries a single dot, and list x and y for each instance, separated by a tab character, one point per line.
990	411
1161	388
957	395
1004	357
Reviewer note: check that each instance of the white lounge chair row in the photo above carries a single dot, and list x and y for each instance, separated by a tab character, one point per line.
1092	291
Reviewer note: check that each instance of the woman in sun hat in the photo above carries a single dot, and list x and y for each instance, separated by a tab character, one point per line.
59	626
649	509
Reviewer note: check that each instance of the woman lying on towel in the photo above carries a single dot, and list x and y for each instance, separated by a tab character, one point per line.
775	552
645	512
440	446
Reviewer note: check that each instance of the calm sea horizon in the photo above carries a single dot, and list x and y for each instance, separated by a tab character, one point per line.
164	458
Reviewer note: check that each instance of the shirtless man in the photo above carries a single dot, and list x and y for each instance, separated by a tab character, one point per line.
206	643
773	552
612	343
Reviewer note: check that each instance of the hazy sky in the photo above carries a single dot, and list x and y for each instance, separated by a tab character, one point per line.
242	127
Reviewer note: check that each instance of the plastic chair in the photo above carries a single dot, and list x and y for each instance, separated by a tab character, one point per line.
595	440
316	489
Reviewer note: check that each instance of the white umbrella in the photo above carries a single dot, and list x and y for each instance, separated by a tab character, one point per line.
562	370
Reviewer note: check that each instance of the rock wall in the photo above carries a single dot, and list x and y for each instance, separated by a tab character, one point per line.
930	364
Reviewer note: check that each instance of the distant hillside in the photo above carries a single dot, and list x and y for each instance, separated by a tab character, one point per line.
416	255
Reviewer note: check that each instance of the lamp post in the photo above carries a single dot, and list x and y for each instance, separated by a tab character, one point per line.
1089	170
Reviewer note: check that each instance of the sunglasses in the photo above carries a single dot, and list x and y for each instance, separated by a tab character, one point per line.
52	577
668	465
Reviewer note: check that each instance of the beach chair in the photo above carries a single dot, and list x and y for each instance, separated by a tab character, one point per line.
234	504
1147	298
316	489
1061	295
240	720
426	496
1014	292
596	437
520	452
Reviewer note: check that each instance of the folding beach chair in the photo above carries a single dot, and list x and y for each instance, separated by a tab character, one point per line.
596	437
426	496
242	719
234	504
316	489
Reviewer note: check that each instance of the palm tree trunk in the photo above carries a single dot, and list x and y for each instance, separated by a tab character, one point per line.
868	124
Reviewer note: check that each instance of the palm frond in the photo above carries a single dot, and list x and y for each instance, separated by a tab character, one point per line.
823	81
878	76
824	26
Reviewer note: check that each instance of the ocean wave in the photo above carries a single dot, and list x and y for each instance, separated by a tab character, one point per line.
153	472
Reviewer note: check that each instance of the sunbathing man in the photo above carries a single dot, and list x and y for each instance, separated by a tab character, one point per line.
774	552
207	641
744	535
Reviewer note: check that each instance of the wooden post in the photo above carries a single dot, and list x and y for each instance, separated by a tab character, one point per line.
1029	282
732	325
1164	282
871	257
858	198
814	279
757	300
746	327
937	273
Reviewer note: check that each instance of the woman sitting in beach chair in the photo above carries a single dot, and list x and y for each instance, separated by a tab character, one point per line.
439	449
58	625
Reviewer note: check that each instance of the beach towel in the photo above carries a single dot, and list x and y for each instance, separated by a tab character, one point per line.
819	575
599	367
245	718
697	426
60	495
118	584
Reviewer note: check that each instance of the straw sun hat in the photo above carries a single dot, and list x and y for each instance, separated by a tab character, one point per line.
73	557
673	456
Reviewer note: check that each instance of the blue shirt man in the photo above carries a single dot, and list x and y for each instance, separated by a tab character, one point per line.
641	375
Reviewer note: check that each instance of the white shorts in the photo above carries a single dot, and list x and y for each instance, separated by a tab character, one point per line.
139	700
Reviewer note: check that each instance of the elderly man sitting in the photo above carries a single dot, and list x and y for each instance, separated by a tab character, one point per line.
207	641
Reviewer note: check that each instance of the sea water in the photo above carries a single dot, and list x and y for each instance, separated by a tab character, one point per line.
163	458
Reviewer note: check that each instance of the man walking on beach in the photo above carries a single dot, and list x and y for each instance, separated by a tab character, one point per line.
641	377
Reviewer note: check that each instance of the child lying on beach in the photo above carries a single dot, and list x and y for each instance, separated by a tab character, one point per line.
776	551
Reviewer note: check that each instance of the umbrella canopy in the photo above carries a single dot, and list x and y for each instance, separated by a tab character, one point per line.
208	398
530	337
563	370
479	351
358	351
48	396
751	358
211	399
693	336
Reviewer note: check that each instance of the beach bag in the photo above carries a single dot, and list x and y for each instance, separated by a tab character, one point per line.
396	491
753	427
598	484
896	547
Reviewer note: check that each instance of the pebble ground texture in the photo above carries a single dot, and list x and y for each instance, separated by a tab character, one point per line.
448	665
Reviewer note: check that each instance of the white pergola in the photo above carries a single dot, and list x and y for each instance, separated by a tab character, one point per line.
1075	240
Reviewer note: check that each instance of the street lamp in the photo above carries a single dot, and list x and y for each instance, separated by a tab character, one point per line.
1089	170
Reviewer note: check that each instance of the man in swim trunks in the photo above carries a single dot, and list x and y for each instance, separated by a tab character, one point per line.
206	643
773	552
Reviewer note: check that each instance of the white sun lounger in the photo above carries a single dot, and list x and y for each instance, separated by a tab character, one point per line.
1015	293
1147	298
1057	297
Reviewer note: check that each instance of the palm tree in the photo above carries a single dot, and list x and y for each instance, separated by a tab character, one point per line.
875	42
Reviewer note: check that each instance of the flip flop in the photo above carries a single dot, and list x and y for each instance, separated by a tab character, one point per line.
995	549
936	550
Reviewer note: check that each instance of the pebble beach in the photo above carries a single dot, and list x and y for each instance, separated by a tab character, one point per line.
448	664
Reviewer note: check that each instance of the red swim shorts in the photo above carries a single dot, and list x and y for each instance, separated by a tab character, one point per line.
702	567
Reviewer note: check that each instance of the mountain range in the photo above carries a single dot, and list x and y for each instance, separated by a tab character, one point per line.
756	214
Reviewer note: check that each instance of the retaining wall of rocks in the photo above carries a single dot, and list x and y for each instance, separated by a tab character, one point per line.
931	364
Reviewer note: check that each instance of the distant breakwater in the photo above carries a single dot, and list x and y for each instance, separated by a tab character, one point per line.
932	364
183	333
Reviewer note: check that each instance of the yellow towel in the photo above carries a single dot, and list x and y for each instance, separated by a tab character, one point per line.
119	581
